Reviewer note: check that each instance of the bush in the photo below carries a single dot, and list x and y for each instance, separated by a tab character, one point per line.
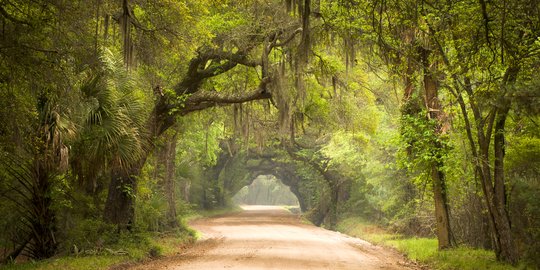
89	236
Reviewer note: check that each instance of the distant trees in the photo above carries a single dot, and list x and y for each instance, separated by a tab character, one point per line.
265	190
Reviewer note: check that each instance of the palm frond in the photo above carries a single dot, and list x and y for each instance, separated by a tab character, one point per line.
116	113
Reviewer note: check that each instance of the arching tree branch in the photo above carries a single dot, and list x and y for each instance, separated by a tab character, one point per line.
206	99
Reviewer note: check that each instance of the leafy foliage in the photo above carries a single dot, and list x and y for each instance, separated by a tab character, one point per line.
337	104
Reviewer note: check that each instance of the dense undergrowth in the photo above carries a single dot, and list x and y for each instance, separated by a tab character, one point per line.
126	248
424	250
115	250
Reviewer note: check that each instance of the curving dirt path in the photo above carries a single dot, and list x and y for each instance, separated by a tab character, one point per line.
269	237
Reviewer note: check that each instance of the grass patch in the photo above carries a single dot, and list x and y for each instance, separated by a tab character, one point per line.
129	248
70	263
418	249
425	250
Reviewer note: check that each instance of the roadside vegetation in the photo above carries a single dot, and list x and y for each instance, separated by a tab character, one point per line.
119	119
126	250
424	251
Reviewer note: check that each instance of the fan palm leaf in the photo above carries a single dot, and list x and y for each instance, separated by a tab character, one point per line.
114	116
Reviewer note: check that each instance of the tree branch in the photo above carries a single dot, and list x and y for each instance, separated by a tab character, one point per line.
485	16
206	99
287	40
198	70
8	16
238	57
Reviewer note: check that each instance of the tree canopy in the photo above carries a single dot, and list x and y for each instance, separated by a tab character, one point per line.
421	116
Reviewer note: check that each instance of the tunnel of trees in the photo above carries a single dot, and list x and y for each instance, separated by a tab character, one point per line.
266	190
124	116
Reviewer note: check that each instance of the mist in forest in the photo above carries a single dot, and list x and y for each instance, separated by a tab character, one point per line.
265	190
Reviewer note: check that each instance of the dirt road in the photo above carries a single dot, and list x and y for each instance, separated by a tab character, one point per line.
269	237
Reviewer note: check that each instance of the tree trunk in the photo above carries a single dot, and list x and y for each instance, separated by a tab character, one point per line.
333	179
503	242
119	208
434	108
493	184
305	40
170	181
43	223
507	250
120	205
125	22
332	214
289	178
213	193
96	38
444	236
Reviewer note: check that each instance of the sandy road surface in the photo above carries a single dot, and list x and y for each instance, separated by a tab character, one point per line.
269	237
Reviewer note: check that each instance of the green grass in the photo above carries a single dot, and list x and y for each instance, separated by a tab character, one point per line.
124	248
130	248
418	249
425	250
69	263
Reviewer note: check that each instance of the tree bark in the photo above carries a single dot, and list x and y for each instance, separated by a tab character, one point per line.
120	205
434	108
444	235
331	215
305	41
493	183
508	250
505	246
502	239
170	179
337	186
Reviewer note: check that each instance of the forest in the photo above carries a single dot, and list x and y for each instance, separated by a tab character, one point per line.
119	119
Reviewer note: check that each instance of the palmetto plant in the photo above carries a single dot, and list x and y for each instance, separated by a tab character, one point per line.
112	116
29	179
108	134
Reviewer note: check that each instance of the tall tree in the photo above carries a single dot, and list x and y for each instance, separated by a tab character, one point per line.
407	49
484	71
